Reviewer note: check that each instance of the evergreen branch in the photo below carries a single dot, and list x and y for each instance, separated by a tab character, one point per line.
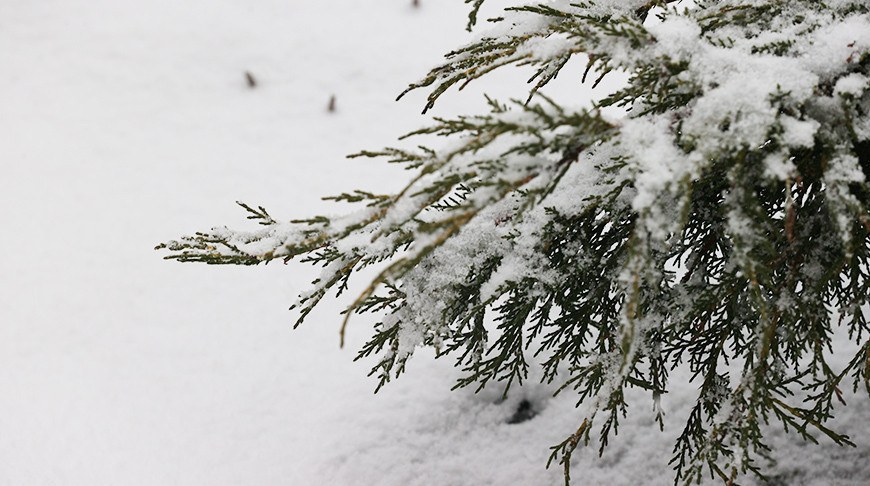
714	226
581	32
259	213
472	15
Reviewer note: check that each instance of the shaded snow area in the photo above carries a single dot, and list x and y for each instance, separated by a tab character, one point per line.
124	124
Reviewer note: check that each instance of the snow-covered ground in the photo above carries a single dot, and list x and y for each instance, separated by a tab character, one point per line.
123	124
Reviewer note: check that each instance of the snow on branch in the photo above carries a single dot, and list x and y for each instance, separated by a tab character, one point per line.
719	221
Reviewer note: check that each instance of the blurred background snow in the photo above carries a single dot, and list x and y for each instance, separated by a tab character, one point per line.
124	124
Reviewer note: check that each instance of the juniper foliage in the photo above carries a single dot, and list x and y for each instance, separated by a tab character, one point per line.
710	213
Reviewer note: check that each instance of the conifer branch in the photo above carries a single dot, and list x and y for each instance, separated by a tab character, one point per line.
712	227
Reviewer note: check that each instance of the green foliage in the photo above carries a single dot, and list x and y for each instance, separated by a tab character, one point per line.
721	225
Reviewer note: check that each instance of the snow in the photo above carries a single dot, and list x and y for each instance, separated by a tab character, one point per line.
661	166
128	123
853	84
797	133
779	166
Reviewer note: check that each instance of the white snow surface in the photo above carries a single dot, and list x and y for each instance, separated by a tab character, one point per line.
128	123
